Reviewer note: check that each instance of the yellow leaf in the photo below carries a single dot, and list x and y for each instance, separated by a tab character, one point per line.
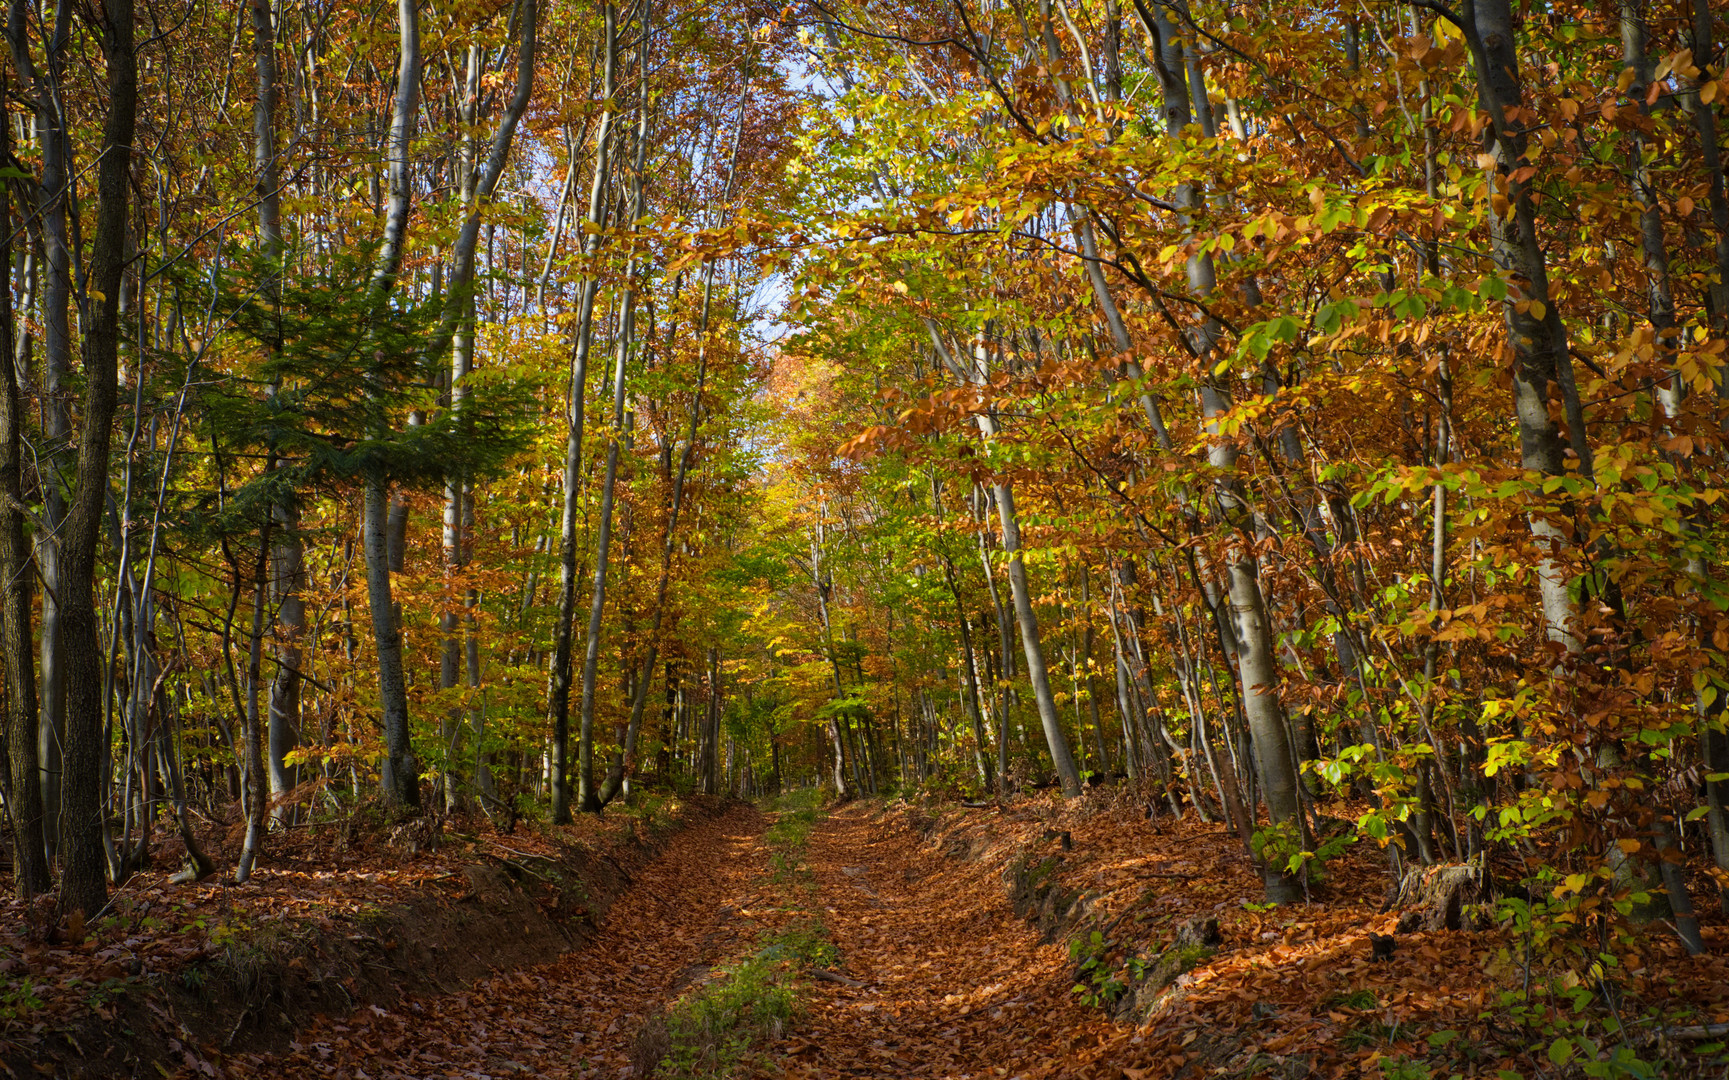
1631	847
1539	310
1626	80
98	295
1708	92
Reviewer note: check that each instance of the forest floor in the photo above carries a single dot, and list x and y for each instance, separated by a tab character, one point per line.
1033	939
1048	938
577	1016
954	983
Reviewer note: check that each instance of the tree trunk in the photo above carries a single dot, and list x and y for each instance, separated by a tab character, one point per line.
401	770
252	734
44	86
1534	329
558	706
287	574
1021	594
587	794
83	887
24	787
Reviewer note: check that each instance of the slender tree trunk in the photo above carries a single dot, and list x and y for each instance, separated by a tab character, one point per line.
558	706
969	662
587	795
1713	742
45	86
252	730
400	778
401	770
24	787
1021	593
1005	652
287	572
1534	327
834	721
83	888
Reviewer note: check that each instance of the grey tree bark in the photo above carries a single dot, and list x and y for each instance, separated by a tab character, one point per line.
400	770
1020	592
558	704
587	794
44	85
1534	326
287	561
478	182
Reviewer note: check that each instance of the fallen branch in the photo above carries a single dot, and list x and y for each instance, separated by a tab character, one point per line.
828	976
1696	1033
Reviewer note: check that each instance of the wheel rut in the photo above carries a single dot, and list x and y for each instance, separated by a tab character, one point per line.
575	1016
951	983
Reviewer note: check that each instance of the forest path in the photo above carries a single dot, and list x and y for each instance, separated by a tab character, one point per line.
955	985
576	1016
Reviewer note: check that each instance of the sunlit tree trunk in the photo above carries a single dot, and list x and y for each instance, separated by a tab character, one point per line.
588	796
1020	592
400	769
478	181
558	706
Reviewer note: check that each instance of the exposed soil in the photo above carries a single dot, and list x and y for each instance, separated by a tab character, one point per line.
576	1016
189	976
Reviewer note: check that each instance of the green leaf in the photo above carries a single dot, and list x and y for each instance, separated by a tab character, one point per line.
1561	1050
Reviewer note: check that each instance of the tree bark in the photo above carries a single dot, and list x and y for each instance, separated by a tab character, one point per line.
83	887
24	788
587	794
558	705
45	87
1534	328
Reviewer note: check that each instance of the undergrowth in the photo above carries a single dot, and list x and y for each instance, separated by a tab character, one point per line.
750	1005
752	1002
797	814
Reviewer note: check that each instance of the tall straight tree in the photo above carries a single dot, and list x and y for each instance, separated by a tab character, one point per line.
401	770
558	696
44	85
24	781
587	794
1020	591
83	886
478	181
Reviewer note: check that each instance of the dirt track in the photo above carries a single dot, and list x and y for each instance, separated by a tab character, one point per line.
955	985
576	1016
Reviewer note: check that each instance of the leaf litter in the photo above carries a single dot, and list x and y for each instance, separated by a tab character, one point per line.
937	975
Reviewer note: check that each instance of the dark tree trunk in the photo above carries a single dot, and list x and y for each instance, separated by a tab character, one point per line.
84	888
